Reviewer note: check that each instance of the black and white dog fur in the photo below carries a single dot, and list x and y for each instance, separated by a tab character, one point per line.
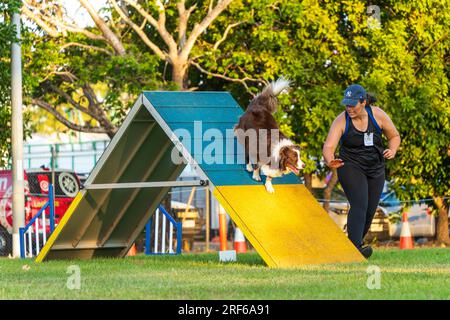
274	155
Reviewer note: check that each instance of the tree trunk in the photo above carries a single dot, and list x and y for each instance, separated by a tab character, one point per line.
308	181
110	36
442	235
329	188
179	73
111	133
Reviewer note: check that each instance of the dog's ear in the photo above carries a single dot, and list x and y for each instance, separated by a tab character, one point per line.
284	156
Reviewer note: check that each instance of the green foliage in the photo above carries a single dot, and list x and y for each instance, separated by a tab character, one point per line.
7	36
301	41
325	46
56	66
322	46
409	71
7	8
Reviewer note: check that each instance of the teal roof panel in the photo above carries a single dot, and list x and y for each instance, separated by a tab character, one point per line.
196	113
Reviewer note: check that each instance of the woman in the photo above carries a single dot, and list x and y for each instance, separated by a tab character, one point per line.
360	165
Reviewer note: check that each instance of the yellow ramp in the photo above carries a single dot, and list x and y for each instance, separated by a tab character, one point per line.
288	228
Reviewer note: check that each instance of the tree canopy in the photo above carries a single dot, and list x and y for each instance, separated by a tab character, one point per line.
400	53
7	36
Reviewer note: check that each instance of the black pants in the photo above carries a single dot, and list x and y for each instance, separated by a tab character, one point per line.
363	193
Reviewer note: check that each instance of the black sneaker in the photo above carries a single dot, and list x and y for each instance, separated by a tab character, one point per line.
366	251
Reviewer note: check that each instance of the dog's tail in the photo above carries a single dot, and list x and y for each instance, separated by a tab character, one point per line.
275	87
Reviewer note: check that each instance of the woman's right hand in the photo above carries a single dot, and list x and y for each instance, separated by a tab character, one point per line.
335	163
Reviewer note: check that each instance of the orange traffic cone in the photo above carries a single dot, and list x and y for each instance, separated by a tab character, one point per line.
406	240
132	251
240	244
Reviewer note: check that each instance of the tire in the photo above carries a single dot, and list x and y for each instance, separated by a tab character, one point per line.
5	242
68	184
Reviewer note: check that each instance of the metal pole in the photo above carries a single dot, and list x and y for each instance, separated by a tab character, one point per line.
179	236
36	235
51	199
52	189
156	230
223	229
207	216
148	231
22	242
163	236
53	151
18	201
170	237
153	184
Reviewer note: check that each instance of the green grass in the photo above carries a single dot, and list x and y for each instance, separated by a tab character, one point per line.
416	274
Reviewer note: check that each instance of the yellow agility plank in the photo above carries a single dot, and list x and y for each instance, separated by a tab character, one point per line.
288	228
51	240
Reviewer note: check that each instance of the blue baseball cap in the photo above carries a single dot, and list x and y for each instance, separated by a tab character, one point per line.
353	94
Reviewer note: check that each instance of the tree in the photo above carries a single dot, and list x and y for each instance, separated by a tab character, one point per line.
409	64
128	49
71	76
301	41
323	47
72	72
7	35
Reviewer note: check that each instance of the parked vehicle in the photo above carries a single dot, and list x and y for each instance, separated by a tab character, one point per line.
422	223
37	182
387	220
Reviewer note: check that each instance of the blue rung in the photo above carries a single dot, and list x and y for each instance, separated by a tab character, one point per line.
50	203
148	231
52	208
36	216
179	236
168	216
22	242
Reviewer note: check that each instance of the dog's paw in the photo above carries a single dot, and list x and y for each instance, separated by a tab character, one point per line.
269	188
256	176
249	167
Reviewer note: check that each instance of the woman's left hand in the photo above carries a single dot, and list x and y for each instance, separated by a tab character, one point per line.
388	154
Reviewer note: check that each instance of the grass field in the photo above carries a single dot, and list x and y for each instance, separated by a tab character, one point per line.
416	274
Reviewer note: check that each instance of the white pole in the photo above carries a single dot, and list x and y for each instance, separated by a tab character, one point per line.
170	237
163	244
156	229
30	245
44	229
207	216
36	230
18	200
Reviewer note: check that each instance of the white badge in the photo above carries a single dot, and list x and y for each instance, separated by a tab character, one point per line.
368	139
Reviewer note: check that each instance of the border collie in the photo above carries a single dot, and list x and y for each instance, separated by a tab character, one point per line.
273	154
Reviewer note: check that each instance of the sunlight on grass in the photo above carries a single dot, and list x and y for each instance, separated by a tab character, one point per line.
415	274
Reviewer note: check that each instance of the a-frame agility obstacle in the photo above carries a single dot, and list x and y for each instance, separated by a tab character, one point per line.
288	228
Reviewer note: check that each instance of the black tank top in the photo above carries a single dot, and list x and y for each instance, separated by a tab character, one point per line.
363	149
